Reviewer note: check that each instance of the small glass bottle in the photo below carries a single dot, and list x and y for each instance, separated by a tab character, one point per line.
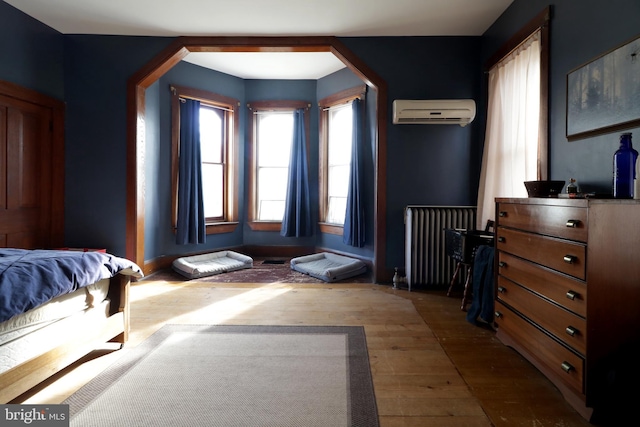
624	168
572	188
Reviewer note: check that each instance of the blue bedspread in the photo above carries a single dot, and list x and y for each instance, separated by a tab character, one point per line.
29	278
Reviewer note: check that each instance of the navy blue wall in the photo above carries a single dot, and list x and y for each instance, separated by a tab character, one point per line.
96	72
30	53
426	164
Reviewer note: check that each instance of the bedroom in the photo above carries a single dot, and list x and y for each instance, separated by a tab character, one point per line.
89	73
409	65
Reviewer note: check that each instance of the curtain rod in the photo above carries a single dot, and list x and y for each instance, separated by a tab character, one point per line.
360	96
275	109
205	102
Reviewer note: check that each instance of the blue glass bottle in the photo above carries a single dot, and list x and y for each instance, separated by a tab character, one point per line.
624	168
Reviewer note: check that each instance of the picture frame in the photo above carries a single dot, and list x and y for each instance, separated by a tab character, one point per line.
603	95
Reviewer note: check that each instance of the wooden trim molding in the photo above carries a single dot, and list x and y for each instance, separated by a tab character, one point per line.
55	169
182	46
539	21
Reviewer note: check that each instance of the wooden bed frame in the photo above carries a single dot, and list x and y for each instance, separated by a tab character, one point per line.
114	328
44	165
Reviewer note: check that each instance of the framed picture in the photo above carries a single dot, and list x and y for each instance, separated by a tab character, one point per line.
604	95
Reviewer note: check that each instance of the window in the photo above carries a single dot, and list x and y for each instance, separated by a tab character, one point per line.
213	165
218	133
336	121
273	143
272	134
515	147
339	124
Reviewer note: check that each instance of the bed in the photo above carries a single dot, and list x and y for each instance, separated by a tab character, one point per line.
328	267
55	307
198	266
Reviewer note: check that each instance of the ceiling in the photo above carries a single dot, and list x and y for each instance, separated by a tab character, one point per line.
342	18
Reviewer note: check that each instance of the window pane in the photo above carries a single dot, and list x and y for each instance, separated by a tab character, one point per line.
211	135
272	188
339	162
340	125
275	133
337	209
274	137
271	210
212	190
339	180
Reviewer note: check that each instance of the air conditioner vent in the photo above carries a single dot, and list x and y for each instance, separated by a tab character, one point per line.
443	111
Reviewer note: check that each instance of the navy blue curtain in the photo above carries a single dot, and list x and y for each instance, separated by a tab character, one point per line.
191	220
297	211
354	231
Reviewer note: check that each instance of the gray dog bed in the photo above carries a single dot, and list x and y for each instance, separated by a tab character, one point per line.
196	266
328	267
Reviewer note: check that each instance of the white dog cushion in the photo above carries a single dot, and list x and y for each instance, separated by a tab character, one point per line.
196	266
328	267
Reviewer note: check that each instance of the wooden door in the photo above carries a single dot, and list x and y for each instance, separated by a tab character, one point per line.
29	191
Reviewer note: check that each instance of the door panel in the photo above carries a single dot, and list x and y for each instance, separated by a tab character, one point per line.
25	174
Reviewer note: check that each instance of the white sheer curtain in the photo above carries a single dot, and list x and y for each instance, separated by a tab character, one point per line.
513	127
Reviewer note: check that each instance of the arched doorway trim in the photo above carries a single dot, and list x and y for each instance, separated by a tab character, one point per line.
181	47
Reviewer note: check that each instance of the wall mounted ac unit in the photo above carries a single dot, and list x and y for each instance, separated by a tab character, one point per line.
436	111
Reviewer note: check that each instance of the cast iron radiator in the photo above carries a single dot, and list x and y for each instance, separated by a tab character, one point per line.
426	262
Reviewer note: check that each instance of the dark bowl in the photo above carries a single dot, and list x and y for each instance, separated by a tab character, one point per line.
544	188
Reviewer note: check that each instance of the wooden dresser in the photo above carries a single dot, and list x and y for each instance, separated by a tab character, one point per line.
568	292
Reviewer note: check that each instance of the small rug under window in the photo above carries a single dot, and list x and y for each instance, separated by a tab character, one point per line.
264	270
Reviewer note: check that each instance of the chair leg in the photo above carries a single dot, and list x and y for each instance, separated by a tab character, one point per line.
467	289
453	279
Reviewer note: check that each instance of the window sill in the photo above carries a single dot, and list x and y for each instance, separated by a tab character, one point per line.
221	227
331	228
265	225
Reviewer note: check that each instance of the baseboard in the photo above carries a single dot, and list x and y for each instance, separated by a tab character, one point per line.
277	251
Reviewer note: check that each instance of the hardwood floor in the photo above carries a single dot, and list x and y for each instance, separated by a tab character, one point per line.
430	367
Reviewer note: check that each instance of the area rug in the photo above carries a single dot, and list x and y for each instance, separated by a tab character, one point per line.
264	270
235	376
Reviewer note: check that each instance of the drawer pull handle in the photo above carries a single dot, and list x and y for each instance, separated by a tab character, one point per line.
502	289
572	295
502	214
502	264
571	331
573	223
566	366
570	259
501	239
498	314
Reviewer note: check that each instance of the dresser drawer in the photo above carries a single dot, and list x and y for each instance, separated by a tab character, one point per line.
568	222
562	255
559	288
565	365
559	322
